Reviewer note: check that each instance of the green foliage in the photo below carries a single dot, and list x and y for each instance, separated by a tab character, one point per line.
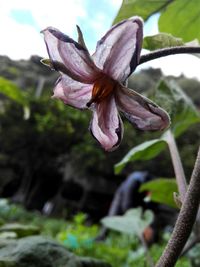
181	18
161	40
11	213
133	222
180	107
178	22
157	250
10	90
119	250
144	151
79	238
194	255
13	70
161	191
143	8
7	235
20	229
50	138
53	133
77	235
183	114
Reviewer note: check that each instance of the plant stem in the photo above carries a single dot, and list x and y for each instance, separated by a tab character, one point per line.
185	221
148	256
190	245
177	164
169	51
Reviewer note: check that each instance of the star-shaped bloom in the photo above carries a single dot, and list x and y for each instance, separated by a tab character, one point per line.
98	82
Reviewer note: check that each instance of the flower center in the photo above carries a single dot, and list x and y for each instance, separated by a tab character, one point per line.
103	88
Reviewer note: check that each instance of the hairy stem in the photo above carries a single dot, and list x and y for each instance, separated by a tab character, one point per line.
185	221
169	51
177	164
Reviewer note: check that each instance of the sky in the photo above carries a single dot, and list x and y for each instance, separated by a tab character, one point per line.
22	20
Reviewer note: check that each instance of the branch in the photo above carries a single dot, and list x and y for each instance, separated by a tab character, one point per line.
185	221
169	51
177	164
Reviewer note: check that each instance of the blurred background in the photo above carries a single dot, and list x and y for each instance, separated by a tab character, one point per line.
49	164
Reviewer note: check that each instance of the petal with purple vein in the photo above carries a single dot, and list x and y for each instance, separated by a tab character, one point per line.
106	125
73	93
141	111
69	57
118	52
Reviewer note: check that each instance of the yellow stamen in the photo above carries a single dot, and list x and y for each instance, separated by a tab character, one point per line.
103	88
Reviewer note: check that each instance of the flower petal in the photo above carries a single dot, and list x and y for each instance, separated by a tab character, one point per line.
69	57
140	111
106	125
73	93
118	52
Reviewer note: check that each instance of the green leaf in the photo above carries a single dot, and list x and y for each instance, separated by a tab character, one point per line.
162	190
13	92
8	235
144	151
133	222
143	8
20	229
180	107
182	19
10	90
161	40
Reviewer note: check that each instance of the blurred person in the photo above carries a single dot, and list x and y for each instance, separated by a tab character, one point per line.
128	196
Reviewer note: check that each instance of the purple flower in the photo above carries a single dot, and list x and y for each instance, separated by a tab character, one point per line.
98	82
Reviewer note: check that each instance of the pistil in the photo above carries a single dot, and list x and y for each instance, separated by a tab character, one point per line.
102	89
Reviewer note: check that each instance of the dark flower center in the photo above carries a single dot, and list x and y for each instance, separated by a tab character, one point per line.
102	89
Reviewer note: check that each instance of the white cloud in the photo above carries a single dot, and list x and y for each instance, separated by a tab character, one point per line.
176	65
46	12
21	40
171	65
151	26
116	3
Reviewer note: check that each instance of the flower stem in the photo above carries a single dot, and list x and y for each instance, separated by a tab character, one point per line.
177	164
169	51
185	221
